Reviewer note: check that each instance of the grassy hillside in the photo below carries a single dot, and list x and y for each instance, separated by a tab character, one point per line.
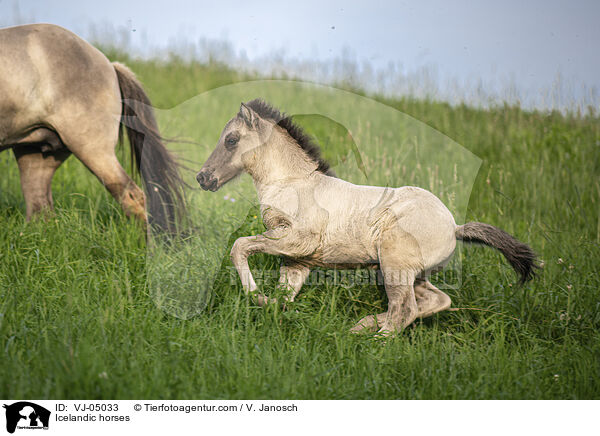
78	318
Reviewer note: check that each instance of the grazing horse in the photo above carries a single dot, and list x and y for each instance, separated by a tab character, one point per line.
314	219
60	95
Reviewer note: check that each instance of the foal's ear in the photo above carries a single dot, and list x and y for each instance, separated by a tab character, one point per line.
248	115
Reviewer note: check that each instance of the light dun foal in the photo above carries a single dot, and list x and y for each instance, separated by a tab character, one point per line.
314	219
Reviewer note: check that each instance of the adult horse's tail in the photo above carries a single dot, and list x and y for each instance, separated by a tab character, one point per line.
159	170
520	256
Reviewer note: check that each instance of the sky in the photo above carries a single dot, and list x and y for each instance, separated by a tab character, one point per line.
529	49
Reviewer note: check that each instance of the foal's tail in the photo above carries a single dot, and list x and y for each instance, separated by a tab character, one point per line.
520	256
159	170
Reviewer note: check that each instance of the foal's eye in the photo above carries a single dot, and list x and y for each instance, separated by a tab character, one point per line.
231	141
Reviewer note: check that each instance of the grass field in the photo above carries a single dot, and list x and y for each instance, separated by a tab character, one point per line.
78	312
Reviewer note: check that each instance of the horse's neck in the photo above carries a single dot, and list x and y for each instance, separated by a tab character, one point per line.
288	198
279	161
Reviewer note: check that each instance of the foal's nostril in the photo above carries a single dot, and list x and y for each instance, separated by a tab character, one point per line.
204	178
207	181
212	184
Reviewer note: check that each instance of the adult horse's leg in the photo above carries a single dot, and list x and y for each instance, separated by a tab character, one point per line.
103	162
36	170
92	138
87	109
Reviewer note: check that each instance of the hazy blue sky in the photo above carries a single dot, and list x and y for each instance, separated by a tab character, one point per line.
526	42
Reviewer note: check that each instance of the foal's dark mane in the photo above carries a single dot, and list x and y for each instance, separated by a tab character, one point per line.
306	143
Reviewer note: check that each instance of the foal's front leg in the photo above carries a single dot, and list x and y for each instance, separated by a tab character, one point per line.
276	242
292	276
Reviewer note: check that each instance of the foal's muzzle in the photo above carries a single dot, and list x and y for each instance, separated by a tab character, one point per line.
207	181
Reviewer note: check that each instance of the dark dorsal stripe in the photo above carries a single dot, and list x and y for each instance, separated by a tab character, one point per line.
306	143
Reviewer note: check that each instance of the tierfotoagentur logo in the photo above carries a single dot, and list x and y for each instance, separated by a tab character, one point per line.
25	415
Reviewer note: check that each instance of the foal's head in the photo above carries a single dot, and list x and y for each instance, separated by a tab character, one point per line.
259	124
242	134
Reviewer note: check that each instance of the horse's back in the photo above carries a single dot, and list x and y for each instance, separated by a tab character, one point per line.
48	73
29	46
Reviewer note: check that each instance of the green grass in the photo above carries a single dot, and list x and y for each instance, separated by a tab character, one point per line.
78	318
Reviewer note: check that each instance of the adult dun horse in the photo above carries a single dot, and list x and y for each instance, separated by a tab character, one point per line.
314	219
60	95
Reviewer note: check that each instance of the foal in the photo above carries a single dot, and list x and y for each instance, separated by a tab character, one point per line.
314	219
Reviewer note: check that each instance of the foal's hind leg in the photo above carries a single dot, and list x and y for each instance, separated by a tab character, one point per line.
400	261
369	322
36	171
402	305
430	299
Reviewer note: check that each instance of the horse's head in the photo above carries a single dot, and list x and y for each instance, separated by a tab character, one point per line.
233	154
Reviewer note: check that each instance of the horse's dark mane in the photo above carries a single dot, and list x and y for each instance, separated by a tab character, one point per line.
306	143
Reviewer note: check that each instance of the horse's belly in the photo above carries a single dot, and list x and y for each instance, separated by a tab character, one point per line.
350	244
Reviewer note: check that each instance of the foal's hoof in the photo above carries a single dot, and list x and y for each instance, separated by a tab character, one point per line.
366	323
357	329
263	300
385	332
